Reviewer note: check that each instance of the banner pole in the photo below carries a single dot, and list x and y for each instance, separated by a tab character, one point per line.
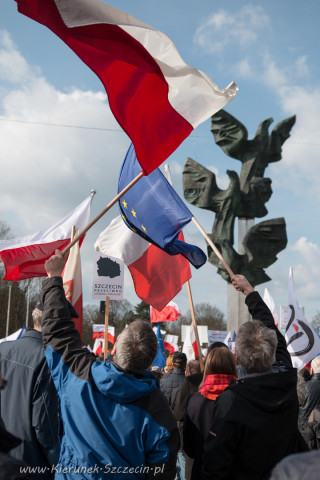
194	323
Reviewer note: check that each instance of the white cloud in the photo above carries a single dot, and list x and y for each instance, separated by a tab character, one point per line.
223	29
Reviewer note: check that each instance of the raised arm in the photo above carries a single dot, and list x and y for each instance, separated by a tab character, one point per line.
259	311
60	338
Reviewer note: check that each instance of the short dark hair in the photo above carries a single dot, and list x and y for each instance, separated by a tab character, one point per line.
179	360
216	345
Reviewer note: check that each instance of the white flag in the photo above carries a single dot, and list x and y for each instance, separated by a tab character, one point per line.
268	300
302	341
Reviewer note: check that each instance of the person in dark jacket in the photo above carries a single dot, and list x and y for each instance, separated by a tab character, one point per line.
175	379
116	421
255	422
220	368
29	403
309	407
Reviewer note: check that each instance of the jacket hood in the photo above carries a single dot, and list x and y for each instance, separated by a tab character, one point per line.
119	386
272	392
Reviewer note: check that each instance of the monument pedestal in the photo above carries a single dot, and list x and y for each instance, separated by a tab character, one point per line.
237	311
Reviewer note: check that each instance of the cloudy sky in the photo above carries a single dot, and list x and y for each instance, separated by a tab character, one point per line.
59	139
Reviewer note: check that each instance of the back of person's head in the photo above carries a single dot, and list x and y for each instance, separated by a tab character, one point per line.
37	318
193	366
315	365
136	347
256	346
179	360
220	361
214	345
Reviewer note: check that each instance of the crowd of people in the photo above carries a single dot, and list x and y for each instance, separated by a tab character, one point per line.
67	415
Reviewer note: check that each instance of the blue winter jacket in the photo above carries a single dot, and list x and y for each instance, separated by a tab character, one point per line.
116	425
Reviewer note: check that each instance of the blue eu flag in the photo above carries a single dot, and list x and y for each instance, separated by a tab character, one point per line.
153	210
160	359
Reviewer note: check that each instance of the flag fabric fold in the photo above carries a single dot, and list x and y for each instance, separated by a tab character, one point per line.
160	358
157	277
72	284
25	257
170	313
152	209
155	96
302	341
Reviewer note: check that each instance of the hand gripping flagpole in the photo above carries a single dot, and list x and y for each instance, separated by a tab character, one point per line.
80	234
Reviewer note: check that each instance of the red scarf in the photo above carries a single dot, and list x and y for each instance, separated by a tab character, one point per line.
214	385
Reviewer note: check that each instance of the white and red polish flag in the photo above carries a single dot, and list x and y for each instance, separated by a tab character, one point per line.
157	276
155	96
98	337
190	345
72	284
170	343
25	257
170	313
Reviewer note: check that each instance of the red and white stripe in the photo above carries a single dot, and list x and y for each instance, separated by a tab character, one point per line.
155	96
25	257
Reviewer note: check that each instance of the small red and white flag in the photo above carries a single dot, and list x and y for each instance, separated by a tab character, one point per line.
190	345
98	337
155	96
170	343
170	313
25	257
72	284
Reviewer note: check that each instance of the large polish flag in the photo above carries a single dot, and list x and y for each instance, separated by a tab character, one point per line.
155	96
157	276
170	313
25	257
72	284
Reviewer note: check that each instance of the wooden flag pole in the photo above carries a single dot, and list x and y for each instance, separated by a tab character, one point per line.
80	234
214	248
106	328
195	328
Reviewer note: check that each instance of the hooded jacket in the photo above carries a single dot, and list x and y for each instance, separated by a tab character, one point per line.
255	419
114	423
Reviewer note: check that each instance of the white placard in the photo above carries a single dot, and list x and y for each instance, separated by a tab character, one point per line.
202	332
107	277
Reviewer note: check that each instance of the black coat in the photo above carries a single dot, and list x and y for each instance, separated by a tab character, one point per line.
171	382
29	402
255	420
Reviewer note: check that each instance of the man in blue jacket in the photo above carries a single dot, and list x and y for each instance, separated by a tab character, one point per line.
115	419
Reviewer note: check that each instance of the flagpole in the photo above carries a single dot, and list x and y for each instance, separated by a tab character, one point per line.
214	248
80	234
8	310
106	328
195	328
